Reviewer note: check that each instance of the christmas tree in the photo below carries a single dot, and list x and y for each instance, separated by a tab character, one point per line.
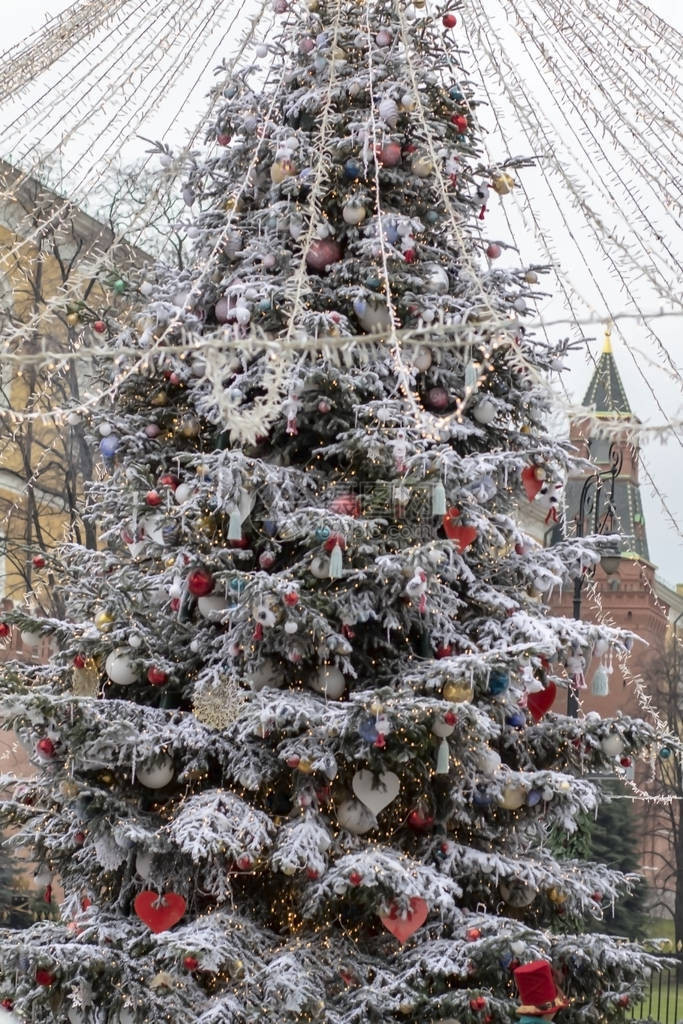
296	760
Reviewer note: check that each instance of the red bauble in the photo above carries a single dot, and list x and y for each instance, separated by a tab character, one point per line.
156	676
472	934
460	122
45	977
444	652
153	498
597	896
312	874
169	480
244	863
355	878
450	718
410	255
79	661
79	838
624	1000
381	741
389	155
625	762
333	540
437	399
200	582
291	598
99	326
293	761
7	1004
190	963
478	1003
38	562
223	140
449	21
493	251
322	253
45	747
419	821
5	630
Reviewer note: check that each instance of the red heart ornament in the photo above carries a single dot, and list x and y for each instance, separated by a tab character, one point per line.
541	701
402	927
462	535
532	484
159	911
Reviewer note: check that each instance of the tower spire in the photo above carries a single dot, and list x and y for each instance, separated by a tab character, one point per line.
606	392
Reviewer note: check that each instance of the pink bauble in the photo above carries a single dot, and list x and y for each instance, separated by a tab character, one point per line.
383	37
437	398
306	45
279	6
266	560
390	155
152	430
221	311
493	251
322	253
269	261
324	406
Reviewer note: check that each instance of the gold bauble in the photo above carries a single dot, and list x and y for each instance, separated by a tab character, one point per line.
68	788
161	398
72	319
305	766
288	869
236	968
419	4
207	524
280	170
457	692
503	184
422	165
313	5
190	426
531	277
557	896
103	621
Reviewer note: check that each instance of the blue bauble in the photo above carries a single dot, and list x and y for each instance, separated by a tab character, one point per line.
236	585
264	305
352	169
455	93
506	960
432	216
360	307
516	719
109	446
269	527
373	282
367	730
480	798
322	533
534	797
498	682
665	752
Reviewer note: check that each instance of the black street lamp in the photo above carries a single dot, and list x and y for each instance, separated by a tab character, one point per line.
597	507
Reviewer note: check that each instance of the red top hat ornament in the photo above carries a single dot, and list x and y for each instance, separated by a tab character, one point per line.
537	990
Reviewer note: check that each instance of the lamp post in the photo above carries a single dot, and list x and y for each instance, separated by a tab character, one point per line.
596	506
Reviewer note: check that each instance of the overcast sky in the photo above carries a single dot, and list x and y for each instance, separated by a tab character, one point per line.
663	461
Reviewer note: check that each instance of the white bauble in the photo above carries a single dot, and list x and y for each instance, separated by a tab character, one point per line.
355	817
29	638
121	668
183	493
147	288
484	411
373	315
42	877
143	863
291	626
422	358
212	606
513	796
320	568
517	894
436	278
155	774
267	674
408	101
329	681
612	745
488	761
519	305
421	165
105	429
73	419
388	111
354	212
441	728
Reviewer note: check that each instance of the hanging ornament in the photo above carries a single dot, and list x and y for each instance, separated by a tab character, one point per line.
461	123
576	665
612	745
421	165
355	817
454	529
457	691
436	280
449	21
282	169
484	412
376	791
373	313
200	582
159	911
320	568
389	155
354	212
493	251
416	589
329	681
517	894
155	774
503	183
600	682
322	254
404	923
512	797
120	667
388	111
532	480
384	37
499	682
103	622
437	399
541	701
